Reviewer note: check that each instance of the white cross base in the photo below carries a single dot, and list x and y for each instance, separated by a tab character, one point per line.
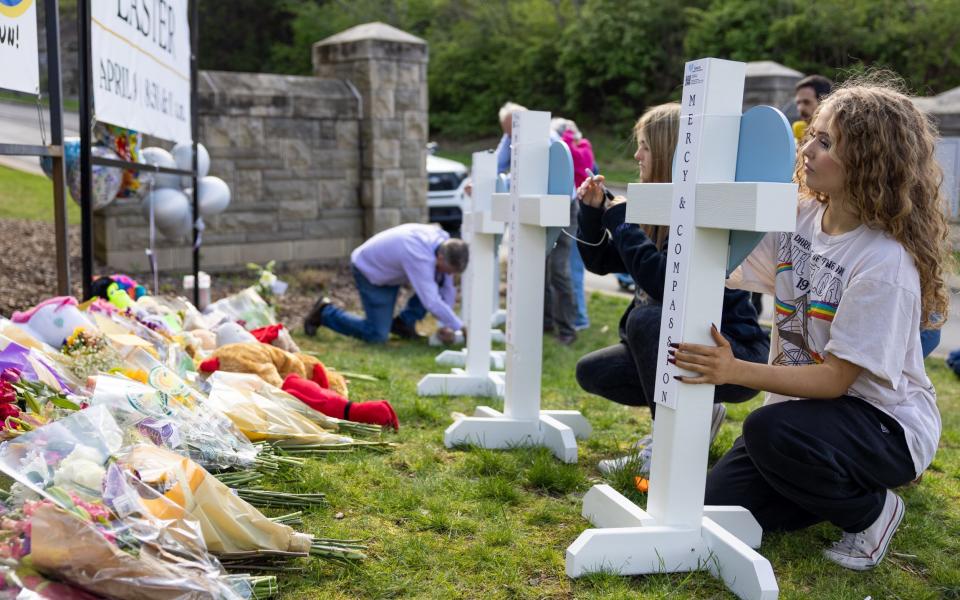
481	228
523	423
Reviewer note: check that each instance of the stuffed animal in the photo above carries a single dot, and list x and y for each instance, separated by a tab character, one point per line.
272	364
377	412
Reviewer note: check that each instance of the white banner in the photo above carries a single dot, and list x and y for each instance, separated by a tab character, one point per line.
141	65
19	58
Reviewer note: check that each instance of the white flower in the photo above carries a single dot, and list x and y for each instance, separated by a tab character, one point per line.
81	468
267	279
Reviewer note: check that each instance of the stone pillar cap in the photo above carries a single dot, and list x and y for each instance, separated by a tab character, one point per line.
769	68
946	103
375	31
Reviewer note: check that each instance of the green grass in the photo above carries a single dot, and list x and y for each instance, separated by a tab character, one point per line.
477	523
28	196
613	152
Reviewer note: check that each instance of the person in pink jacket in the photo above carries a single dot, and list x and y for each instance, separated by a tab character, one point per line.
583	159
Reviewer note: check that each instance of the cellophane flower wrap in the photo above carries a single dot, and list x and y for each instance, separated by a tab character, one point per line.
263	419
163	410
171	486
75	533
254	383
246	307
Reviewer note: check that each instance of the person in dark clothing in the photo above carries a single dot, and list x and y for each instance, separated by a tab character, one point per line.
626	372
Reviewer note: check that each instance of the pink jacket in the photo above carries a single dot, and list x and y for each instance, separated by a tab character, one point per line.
582	154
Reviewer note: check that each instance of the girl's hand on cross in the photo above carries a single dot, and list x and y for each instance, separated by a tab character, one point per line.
714	364
590	191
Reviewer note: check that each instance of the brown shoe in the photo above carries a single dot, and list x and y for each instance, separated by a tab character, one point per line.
566	338
314	318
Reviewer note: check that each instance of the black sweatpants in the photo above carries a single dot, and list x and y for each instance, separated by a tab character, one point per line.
806	461
626	372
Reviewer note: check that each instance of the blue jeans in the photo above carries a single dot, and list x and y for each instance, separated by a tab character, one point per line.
576	274
929	340
378	302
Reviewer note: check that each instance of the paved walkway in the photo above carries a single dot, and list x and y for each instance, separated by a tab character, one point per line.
19	124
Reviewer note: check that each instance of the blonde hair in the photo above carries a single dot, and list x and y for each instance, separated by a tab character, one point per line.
891	177
659	126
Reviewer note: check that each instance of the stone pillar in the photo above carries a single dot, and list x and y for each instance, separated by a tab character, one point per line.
771	83
388	68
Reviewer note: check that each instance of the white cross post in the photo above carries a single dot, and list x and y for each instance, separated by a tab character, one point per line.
703	204
527	210
477	379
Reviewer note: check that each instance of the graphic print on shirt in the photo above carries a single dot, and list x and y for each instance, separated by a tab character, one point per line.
813	287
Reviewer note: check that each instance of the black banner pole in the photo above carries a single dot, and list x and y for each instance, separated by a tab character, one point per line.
86	204
194	128
55	93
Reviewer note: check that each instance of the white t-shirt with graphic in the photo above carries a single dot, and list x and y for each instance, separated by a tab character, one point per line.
857	296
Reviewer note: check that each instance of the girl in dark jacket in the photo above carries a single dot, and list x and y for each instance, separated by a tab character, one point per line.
626	372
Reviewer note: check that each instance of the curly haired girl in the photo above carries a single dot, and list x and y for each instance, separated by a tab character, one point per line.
853	285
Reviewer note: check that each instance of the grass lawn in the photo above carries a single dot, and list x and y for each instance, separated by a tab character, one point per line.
28	196
473	523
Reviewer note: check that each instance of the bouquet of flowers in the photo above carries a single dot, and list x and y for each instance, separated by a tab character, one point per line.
262	419
20	581
72	531
88	353
268	285
246	307
26	405
166	415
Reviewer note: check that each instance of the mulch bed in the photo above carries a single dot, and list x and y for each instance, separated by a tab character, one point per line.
29	274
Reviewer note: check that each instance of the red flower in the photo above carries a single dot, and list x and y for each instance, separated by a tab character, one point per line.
8	410
8	395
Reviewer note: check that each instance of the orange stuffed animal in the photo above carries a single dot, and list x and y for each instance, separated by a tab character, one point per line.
272	365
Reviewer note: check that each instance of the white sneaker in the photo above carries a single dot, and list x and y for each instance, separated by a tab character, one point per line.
864	550
644	448
637	462
643	442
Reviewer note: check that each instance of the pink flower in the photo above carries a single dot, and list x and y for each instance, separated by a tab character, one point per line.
10	375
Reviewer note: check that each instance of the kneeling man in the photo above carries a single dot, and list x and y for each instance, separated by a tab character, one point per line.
422	255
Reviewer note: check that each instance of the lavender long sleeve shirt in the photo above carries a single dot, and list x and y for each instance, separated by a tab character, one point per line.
408	254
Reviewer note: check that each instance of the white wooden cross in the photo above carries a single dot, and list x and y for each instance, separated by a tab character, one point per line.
703	204
527	210
477	379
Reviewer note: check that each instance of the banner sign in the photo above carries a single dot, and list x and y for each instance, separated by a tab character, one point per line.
141	65
19	56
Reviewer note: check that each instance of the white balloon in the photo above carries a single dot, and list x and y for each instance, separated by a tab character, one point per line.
178	230
169	207
183	154
161	158
214	196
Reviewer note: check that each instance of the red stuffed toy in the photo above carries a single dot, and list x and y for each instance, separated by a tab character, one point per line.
332	404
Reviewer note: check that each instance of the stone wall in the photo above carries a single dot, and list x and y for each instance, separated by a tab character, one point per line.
315	164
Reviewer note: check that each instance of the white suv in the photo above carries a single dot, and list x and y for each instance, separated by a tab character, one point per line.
446	199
